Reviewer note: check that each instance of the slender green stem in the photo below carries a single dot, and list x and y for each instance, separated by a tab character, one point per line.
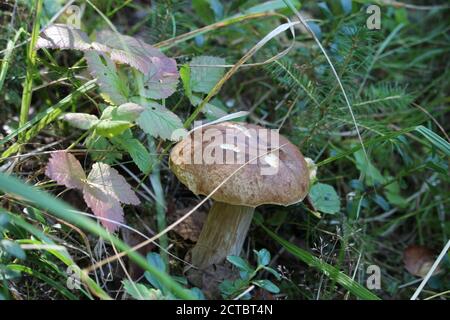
7	57
31	61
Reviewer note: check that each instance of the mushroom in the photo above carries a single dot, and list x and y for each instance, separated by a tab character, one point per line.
262	167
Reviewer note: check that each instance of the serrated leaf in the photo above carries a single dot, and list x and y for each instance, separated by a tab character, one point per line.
62	36
101	67
81	121
66	170
104	191
137	152
157	121
204	78
141	292
240	263
126	112
209	109
100	149
325	198
129	50
112	128
185	75
267	285
13	248
159	73
162	79
108	180
105	206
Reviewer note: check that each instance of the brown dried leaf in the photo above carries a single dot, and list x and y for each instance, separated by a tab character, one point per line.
418	260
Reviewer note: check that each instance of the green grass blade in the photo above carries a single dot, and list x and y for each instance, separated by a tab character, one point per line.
31	66
63	211
42	119
330	271
436	140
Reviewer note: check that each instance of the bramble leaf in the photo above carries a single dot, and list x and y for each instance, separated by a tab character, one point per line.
162	79
82	121
66	170
111	128
103	206
129	50
63	36
157	121
101	67
108	180
125	112
103	190
140	155
159	73
203	77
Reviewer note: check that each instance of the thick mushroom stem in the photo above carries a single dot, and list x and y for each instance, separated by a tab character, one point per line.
223	234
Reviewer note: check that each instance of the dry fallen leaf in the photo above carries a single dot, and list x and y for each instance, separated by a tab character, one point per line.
418	260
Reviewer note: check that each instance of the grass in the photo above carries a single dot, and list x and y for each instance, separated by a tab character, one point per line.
370	107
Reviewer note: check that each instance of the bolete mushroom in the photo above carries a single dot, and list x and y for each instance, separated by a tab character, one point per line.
262	167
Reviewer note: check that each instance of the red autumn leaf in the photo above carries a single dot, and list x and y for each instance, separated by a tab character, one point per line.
103	190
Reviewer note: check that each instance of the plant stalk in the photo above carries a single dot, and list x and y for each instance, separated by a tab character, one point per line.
31	61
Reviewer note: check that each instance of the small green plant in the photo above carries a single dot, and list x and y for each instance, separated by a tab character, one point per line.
250	276
156	290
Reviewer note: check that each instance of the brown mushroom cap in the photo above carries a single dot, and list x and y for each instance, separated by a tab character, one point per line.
288	179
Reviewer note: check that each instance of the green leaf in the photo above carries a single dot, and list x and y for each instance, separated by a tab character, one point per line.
240	263
185	75
100	149
198	293
271	6
204	78
13	248
263	257
392	192
137	152
111	128
267	285
209	109
125	112
157	121
274	272
325	198
141	292
155	260
113	89
203	10
81	121
372	175
328	270
436	140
